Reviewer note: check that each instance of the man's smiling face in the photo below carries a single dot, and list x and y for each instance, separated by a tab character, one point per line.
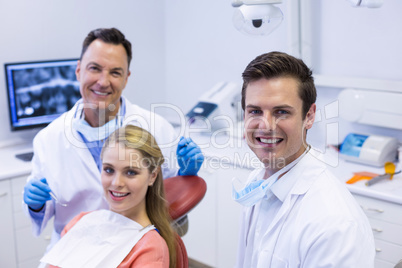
103	73
274	127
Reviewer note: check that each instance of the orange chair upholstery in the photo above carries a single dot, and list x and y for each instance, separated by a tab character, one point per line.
183	193
181	252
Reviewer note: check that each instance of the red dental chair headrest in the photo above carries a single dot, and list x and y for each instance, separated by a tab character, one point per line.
183	193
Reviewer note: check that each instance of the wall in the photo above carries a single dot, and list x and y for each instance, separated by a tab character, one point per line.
356	42
203	48
48	29
184	47
362	42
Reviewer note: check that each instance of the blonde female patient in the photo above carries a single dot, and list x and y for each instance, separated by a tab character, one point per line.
136	231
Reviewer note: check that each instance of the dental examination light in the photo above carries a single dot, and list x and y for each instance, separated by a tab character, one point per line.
257	17
366	3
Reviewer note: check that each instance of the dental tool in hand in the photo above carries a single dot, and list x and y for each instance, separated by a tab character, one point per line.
57	200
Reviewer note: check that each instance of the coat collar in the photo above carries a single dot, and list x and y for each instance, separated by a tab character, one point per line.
299	179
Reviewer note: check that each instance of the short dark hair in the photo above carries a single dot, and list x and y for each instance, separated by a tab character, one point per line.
278	64
109	36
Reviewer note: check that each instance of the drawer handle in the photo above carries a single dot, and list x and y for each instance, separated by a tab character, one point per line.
378	249
3	194
378	230
373	209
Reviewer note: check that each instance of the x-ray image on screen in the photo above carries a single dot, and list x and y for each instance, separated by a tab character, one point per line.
39	92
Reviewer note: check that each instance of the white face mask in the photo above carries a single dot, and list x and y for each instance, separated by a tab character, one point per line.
254	191
97	133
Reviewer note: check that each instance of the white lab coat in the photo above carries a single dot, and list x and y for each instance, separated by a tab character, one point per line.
311	219
61	156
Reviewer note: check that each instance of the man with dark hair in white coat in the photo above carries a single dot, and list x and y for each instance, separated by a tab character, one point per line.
297	214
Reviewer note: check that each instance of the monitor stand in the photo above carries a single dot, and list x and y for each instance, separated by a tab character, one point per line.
27	157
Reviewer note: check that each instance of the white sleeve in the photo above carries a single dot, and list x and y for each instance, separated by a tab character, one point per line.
167	140
39	219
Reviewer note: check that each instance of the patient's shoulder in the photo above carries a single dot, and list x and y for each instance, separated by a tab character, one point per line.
151	239
73	222
150	251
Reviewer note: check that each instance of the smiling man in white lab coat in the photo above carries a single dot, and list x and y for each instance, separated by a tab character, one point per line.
66	159
297	214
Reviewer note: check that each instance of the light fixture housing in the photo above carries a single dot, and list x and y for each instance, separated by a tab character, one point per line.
366	3
257	17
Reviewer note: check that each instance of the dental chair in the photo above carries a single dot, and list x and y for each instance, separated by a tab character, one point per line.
183	193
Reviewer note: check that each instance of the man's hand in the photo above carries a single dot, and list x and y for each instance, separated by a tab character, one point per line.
36	193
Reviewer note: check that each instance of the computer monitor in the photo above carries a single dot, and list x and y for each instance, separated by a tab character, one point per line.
40	91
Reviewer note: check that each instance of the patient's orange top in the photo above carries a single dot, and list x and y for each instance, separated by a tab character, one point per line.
150	251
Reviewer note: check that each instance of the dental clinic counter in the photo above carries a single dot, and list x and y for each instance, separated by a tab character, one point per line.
11	166
213	224
387	190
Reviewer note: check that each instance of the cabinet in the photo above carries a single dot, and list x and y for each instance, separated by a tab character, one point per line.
386	224
7	253
382	203
19	247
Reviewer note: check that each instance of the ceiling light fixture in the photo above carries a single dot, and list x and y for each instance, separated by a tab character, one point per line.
257	17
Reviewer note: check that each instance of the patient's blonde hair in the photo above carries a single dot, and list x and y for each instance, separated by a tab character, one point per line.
134	137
